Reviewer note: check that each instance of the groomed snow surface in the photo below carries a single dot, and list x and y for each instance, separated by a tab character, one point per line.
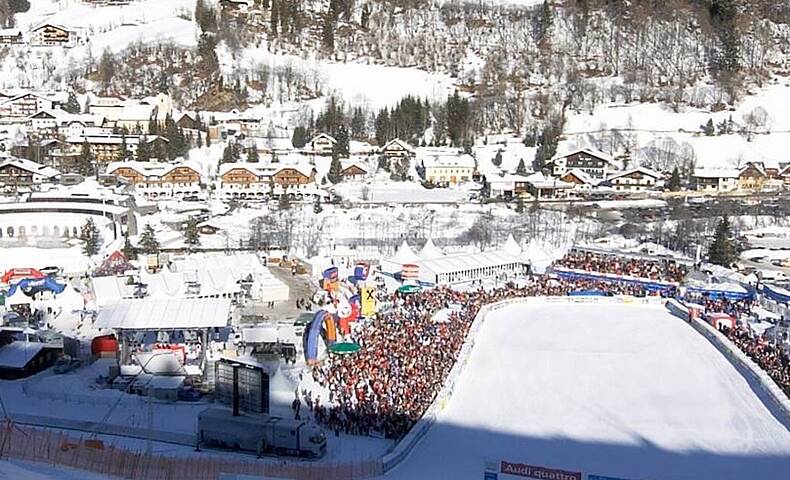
618	390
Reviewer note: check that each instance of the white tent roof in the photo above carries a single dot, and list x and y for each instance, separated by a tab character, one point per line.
430	250
150	314
405	255
468	261
511	246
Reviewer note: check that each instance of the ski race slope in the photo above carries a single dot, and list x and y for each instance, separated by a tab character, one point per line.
618	390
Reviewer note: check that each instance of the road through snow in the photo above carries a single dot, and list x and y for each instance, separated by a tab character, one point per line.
620	390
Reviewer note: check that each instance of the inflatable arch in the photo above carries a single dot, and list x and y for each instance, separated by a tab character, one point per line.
45	283
324	319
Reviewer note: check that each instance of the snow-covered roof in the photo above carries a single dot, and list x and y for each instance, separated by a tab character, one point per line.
581	175
430	251
153	169
508	178
161	314
17	354
468	261
589	151
346	164
398	142
717	173
254	168
10	32
405	255
642	170
323	135
463	160
114	139
31	166
303	168
538	180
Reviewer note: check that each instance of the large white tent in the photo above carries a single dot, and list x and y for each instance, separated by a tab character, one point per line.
430	251
151	314
467	267
404	256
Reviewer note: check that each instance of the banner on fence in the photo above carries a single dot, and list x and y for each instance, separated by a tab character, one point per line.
536	471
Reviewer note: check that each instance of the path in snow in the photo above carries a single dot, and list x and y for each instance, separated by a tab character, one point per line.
619	390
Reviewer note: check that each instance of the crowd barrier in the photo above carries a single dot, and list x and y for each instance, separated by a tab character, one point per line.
737	358
63	449
410	440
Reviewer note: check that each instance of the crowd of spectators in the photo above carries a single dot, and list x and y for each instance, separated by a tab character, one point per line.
769	357
656	270
406	354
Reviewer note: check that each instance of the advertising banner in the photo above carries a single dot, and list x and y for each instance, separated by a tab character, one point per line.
535	471
368	301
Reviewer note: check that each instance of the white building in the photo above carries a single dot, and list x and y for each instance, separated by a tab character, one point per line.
596	164
638	179
245	181
716	180
446	168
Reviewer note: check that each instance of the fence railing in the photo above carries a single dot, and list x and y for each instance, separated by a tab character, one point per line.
66	450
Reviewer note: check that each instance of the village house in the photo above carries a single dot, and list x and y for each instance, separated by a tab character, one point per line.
11	36
57	121
447	169
784	174
539	186
637	179
321	144
109	148
716	180
25	105
297	181
353	170
506	186
752	177
57	154
245	181
19	172
49	35
597	165
160	180
580	180
396	148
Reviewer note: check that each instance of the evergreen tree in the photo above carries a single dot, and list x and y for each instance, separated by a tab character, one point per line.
72	105
85	162
124	150
205	17
143	149
107	66
674	181
129	251
335	168
148	242
723	250
708	129
227	155
497	160
275	16
191	234
382	127
91	238
328	34
521	169
365	20
519	204
252	155
458	119
341	147
300	137
359	127
317	208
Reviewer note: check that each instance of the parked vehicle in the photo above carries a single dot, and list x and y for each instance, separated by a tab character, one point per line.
218	428
66	364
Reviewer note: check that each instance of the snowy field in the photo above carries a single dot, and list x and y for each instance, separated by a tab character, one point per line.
620	390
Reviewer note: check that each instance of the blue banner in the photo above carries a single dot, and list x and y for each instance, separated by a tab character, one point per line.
775	295
714	294
587	293
602	277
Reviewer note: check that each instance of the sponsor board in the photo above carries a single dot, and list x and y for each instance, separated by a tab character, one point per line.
490	476
603	477
538	472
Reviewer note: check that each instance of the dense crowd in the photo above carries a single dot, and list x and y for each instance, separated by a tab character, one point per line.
407	352
406	355
665	271
769	357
